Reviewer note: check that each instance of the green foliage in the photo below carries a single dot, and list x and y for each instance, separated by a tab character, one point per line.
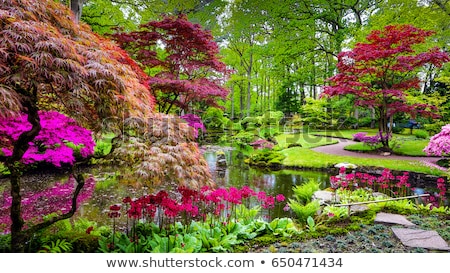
314	113
272	117
421	134
214	118
198	236
353	196
268	132
250	123
303	211
283	226
266	158
404	206
5	243
303	193
335	213
58	246
311	224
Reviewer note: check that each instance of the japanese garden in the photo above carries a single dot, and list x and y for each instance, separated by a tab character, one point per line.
224	126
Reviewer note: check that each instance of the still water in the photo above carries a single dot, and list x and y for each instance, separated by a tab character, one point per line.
236	174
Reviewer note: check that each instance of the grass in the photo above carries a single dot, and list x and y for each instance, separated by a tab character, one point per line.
306	158
303	157
409	147
306	140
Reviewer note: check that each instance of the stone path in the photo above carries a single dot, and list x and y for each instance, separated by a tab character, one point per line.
411	236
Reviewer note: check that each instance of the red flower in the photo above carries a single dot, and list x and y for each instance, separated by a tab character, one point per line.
89	229
114	207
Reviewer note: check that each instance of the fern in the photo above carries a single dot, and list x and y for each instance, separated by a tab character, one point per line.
58	246
303	193
304	211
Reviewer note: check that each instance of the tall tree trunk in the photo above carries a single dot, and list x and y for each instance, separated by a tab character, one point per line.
249	83
76	6
18	238
232	101
241	100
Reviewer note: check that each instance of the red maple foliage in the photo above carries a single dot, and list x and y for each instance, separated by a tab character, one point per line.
182	61
379	72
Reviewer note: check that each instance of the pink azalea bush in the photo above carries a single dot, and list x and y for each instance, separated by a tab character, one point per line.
55	142
372	141
262	144
195	122
439	144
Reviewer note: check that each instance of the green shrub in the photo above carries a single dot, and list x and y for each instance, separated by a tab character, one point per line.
303	193
272	117
365	122
266	158
304	211
213	118
421	134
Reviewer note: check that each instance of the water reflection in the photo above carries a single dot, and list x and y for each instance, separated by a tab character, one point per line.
238	174
109	190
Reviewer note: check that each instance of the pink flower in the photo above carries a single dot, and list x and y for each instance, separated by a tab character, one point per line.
280	198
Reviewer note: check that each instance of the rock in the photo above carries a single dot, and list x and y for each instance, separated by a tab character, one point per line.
346	165
221	161
325	197
428	239
390	218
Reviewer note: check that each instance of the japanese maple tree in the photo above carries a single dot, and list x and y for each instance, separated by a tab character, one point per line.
49	62
381	71
181	60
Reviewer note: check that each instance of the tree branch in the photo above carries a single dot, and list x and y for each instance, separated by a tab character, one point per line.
80	183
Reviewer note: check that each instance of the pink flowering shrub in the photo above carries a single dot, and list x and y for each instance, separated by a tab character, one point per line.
439	144
195	122
372	141
262	144
55	142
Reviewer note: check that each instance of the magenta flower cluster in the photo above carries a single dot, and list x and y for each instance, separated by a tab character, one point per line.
54	143
197	204
36	205
195	122
371	140
439	144
386	183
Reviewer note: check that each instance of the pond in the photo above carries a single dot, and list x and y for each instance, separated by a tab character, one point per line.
109	190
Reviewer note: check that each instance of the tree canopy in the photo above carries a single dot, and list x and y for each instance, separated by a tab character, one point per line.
182	61
380	72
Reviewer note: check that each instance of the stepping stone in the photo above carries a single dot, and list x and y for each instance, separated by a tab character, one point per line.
428	239
325	197
390	218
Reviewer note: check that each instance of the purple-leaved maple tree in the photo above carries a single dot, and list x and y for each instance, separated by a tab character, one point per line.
380	72
182	61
